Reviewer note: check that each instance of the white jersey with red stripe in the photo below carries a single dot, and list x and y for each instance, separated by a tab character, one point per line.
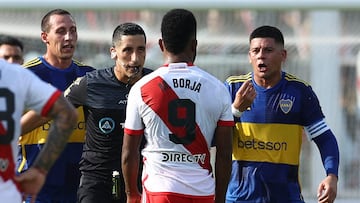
177	108
20	90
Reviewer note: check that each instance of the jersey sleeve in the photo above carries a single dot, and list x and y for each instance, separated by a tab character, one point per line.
312	112
228	87
76	93
40	95
133	121
226	118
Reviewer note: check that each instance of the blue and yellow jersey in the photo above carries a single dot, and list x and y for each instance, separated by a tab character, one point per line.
267	140
65	172
39	135
61	79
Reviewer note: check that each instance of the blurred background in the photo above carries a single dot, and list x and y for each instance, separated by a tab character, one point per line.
322	38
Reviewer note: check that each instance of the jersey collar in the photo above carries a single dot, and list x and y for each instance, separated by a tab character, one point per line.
176	64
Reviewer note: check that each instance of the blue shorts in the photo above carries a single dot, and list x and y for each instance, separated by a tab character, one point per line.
63	179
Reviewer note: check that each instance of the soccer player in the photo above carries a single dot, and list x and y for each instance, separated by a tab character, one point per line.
20	89
103	94
175	109
11	49
268	134
57	67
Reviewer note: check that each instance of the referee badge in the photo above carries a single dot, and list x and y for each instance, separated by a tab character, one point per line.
106	125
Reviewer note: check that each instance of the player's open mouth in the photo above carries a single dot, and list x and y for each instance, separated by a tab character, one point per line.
262	67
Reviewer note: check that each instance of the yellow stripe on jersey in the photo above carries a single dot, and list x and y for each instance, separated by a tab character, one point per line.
238	78
39	135
290	77
273	143
23	160
32	62
36	61
78	63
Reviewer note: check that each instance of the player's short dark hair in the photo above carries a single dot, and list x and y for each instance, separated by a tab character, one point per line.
178	27
10	40
126	29
267	31
45	26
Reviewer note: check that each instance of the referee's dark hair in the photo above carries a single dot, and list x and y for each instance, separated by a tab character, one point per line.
126	29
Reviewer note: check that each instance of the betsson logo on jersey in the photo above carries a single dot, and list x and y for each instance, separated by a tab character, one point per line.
257	144
79	126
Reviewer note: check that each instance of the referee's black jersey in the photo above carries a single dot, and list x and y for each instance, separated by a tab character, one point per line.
104	100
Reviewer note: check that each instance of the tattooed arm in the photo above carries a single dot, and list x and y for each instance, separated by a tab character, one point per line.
31	120
64	118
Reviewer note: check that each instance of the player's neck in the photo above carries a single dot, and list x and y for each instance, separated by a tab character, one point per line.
267	82
179	58
58	62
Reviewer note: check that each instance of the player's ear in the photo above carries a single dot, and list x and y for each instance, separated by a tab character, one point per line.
161	44
112	53
44	37
193	45
284	55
